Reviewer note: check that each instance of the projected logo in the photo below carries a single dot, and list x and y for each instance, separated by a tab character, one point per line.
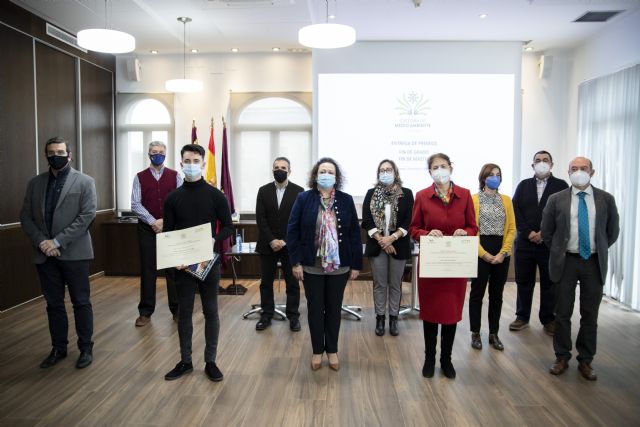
413	104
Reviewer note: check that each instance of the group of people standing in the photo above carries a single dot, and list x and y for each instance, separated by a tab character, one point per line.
315	237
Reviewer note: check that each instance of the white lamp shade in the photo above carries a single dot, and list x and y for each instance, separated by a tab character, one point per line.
107	41
327	36
183	85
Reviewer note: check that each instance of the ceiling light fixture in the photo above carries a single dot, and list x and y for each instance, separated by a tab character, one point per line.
327	36
483	15
528	48
194	50
275	49
184	85
235	50
155	52
106	40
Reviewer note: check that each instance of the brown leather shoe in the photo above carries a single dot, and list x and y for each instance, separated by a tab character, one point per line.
143	320
587	371
559	366
518	325
550	328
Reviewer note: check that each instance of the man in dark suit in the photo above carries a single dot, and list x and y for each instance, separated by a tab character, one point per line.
59	206
273	207
529	201
579	225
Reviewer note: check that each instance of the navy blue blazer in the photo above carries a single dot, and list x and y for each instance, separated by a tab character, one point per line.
301	230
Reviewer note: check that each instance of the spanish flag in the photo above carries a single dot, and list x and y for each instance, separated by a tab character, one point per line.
210	173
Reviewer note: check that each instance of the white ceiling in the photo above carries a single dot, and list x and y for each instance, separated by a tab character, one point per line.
259	25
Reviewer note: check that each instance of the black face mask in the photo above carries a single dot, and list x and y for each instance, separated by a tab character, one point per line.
58	162
279	175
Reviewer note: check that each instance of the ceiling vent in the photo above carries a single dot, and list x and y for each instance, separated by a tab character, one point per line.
602	16
63	36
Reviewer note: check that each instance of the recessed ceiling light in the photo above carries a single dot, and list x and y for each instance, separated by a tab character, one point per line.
332	16
235	50
275	49
528	48
483	15
155	52
194	50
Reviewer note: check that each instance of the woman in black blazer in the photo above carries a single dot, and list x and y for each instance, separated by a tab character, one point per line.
386	215
325	251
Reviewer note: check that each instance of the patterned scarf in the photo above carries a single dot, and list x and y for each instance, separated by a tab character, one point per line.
327	236
382	195
446	198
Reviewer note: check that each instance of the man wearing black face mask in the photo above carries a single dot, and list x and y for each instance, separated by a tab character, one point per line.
150	189
273	207
58	209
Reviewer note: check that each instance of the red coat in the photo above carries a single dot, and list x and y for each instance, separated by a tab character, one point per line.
442	300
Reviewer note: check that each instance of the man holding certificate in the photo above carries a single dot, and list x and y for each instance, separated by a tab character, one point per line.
193	204
443	209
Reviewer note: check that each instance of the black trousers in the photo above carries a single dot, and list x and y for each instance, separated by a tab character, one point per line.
447	336
526	261
54	274
324	295
587	272
149	273
496	276
268	268
187	285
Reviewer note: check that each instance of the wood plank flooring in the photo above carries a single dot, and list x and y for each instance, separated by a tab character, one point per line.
268	381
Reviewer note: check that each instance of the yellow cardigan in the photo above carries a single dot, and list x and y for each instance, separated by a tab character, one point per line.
509	224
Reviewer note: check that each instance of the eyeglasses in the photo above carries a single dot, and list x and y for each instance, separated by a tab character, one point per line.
386	170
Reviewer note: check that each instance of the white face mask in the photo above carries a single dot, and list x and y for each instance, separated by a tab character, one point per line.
192	171
542	169
441	175
580	178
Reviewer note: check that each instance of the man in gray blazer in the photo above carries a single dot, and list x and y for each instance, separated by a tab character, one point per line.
58	209
579	225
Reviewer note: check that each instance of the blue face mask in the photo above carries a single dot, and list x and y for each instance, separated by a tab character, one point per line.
192	171
386	178
326	180
493	182
157	159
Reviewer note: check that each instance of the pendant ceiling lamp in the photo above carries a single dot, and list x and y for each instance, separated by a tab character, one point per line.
106	40
326	35
184	85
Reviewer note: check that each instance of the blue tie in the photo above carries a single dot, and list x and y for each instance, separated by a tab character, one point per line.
584	243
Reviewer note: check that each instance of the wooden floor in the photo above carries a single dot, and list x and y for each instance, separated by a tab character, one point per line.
268	380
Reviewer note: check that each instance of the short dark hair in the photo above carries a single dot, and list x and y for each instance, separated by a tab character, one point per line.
313	176
442	156
485	171
284	159
194	148
543	152
396	172
56	140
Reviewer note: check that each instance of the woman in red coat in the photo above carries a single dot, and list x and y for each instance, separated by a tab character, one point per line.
443	209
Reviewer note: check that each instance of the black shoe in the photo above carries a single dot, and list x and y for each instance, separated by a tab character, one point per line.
180	370
428	368
212	371
263	324
448	369
294	324
495	342
84	359
380	325
476	342
393	326
53	358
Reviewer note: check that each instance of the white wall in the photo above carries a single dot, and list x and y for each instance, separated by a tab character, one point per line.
220	73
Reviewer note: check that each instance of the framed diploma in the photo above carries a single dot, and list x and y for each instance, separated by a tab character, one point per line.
184	247
448	257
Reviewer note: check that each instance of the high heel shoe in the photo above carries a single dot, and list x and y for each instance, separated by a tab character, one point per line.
316	362
334	363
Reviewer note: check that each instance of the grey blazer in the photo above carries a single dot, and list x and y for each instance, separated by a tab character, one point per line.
74	213
556	225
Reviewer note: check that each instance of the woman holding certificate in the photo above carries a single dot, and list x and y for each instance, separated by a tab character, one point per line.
386	215
325	250
497	229
442	209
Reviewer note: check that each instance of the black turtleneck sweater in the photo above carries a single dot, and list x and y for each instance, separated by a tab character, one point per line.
196	203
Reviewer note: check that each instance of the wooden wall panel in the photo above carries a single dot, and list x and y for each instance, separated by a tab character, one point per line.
17	122
19	280
96	95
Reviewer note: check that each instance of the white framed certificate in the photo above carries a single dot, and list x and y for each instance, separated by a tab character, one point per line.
448	256
184	247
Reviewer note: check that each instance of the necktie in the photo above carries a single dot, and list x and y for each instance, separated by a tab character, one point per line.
584	243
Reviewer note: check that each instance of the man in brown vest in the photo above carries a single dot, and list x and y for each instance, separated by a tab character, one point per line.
150	189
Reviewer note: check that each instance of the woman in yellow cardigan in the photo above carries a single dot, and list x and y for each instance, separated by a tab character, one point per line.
497	229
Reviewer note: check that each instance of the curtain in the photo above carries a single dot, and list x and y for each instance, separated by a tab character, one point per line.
609	135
